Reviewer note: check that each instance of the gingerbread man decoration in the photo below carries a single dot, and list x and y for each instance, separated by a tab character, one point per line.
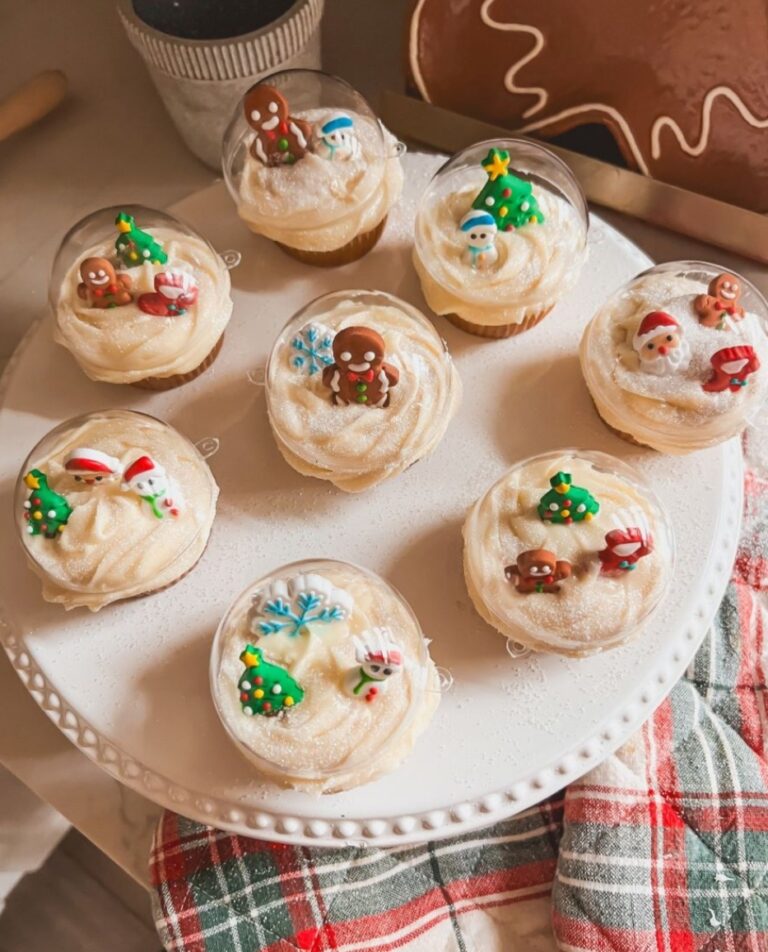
537	570
280	139
623	550
359	374
102	286
731	367
720	307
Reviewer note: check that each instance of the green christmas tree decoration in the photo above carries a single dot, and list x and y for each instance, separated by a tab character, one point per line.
565	503
266	688
135	246
46	511
509	199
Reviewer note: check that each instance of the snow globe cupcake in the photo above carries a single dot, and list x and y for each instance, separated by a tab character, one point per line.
321	675
310	166
501	236
569	552
112	505
673	359
359	387
139	297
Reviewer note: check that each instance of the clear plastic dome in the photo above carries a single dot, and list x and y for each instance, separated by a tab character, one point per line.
311	112
318	672
300	404
104	463
673	392
528	162
98	235
569	552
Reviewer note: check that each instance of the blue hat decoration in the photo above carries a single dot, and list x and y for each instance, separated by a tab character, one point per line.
340	121
477	219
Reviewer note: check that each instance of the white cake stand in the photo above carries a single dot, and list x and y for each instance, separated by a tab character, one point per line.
129	686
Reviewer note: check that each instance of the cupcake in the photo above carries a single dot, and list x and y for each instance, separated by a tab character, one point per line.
359	387
112	505
673	359
310	166
140	298
322	677
569	552
501	236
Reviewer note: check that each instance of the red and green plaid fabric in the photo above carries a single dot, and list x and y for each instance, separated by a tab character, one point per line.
662	848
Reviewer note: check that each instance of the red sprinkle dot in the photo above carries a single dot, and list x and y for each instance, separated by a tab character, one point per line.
508	228
243	697
258	680
266	706
36	500
506	193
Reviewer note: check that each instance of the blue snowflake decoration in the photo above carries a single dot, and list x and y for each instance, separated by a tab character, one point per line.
313	349
293	621
289	605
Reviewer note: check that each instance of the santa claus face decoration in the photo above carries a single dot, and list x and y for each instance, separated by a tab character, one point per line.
660	345
89	466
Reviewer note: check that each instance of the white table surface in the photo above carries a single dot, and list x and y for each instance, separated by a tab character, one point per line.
109	142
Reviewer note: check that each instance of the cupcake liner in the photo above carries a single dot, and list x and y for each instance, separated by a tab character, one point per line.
176	380
498	331
360	245
624	436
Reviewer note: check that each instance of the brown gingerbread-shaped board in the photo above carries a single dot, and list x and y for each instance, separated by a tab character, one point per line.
683	87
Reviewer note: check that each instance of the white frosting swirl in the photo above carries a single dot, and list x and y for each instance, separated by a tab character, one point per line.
592	611
112	547
671	413
318	204
331	740
354	446
537	263
125	345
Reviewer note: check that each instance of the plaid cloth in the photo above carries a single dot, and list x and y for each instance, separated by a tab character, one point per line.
662	848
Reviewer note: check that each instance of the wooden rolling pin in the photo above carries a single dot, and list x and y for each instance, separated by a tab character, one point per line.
31	101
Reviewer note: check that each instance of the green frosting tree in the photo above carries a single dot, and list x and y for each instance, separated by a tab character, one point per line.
135	246
565	503
509	199
46	511
266	688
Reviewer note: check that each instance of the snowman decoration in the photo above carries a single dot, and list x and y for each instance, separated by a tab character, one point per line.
336	140
379	660
480	230
149	481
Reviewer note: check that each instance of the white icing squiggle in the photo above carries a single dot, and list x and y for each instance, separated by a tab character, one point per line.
706	119
538	46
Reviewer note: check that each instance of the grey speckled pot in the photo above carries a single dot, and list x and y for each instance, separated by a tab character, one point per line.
201	80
